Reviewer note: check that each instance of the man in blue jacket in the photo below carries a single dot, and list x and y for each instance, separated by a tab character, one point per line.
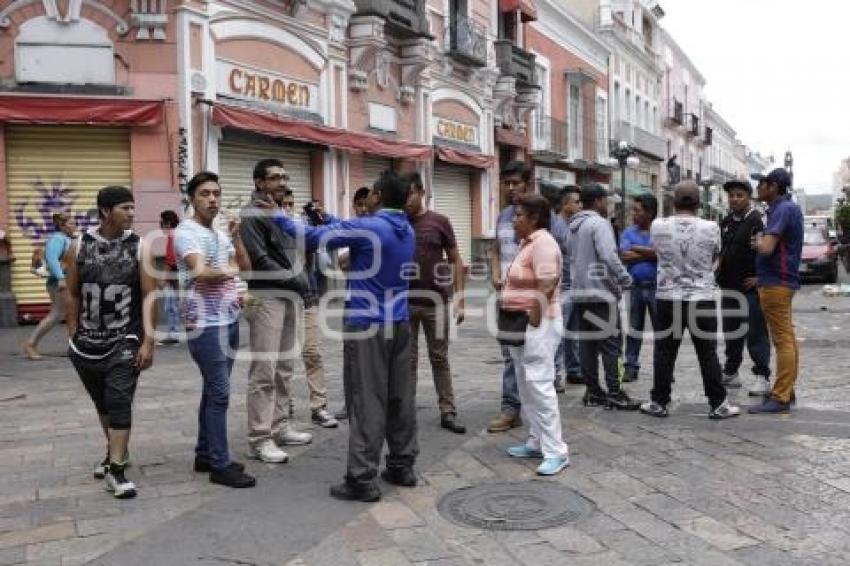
380	394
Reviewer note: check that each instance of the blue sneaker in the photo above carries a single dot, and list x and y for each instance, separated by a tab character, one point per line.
523	451
552	466
770	406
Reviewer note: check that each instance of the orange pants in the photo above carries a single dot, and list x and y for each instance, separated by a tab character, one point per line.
776	305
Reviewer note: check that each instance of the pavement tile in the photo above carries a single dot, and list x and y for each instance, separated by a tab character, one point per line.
716	533
622	484
666	508
43	533
637	549
83	549
395	515
483	549
332	550
467	466
420	544
12	555
569	539
364	533
382	557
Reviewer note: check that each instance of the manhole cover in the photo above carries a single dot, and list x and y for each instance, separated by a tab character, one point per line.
525	506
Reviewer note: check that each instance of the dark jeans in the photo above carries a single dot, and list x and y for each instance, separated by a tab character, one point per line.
435	322
380	395
599	327
566	357
510	390
641	301
700	319
756	337
210	351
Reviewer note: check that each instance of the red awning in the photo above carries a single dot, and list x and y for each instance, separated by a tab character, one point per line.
462	157
506	136
526	7
285	127
22	109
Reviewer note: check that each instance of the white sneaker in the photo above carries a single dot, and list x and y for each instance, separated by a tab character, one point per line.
121	487
760	387
269	452
294	438
724	411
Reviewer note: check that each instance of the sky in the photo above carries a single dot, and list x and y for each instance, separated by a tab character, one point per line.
776	70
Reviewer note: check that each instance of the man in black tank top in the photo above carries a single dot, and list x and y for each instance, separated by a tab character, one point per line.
111	316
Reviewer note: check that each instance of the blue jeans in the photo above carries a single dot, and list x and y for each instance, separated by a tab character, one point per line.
510	389
757	337
641	301
171	311
566	357
210	352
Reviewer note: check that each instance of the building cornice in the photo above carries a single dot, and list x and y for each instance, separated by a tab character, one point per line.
560	26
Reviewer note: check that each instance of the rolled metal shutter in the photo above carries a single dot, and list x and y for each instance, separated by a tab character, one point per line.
56	169
236	161
373	167
450	188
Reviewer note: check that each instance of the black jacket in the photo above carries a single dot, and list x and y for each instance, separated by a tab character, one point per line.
272	251
737	257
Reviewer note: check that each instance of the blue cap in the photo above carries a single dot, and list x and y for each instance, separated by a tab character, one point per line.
779	176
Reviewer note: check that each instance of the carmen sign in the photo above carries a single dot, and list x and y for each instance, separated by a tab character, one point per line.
247	83
455	131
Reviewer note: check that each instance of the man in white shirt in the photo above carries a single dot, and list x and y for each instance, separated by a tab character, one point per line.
687	248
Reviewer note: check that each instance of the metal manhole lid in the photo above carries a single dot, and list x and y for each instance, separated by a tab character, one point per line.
514	506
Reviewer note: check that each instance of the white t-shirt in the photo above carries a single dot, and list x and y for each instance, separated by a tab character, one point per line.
686	247
206	303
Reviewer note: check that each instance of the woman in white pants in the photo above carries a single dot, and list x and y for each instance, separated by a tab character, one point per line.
532	287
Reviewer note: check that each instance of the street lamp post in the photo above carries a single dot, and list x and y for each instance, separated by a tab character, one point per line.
623	156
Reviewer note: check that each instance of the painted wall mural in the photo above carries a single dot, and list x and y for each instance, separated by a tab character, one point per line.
49	199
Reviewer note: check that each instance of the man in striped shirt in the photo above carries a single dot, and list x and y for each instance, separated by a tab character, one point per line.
209	260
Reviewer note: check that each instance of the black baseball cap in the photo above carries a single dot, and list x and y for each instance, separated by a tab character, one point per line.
737	184
779	176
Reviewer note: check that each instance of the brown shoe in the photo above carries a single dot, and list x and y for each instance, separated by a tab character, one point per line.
31	352
504	422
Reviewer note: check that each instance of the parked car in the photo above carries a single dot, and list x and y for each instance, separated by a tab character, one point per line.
820	256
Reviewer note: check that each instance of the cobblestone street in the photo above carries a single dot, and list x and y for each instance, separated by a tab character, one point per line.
755	490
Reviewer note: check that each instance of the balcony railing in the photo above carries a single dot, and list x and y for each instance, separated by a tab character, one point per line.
677	113
468	41
403	18
708	135
550	135
643	141
693	125
515	62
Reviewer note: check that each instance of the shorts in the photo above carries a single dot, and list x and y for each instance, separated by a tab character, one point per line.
111	381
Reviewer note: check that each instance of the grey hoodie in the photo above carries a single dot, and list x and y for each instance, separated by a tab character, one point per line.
595	266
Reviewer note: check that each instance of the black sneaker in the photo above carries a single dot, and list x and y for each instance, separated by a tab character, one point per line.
203	466
622	402
103	467
449	422
351	492
341	415
594	398
121	487
575	379
232	476
402	475
630	375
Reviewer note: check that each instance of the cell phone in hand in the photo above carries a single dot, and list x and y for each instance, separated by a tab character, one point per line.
313	215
